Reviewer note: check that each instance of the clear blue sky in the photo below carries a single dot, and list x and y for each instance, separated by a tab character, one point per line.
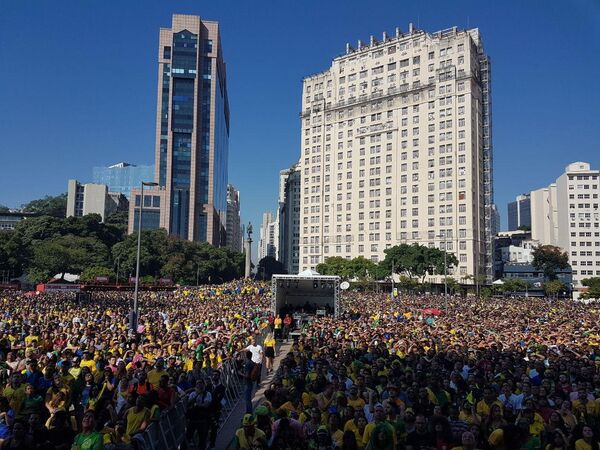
78	84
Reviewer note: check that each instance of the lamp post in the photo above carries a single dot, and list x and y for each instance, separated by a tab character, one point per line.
442	236
134	313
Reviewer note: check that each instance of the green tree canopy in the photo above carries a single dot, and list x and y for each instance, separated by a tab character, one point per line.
593	285
90	273
550	259
416	260
554	287
49	205
269	266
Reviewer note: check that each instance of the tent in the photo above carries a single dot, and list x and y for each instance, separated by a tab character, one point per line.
308	287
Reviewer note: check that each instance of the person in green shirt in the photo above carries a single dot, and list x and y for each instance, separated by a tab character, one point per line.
89	438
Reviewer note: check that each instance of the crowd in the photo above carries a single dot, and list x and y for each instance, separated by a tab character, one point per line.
388	373
73	376
403	373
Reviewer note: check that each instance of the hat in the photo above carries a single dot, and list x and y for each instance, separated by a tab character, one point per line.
261	410
248	419
322	430
409	410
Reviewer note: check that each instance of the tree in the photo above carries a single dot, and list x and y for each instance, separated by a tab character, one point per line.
269	266
48	206
68	254
4	209
593	285
416	260
152	252
90	273
512	285
553	287
335	265
550	259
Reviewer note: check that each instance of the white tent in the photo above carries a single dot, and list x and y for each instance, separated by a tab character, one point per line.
498	282
307	287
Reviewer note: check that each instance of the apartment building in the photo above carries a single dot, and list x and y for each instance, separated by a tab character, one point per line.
397	148
288	217
567	214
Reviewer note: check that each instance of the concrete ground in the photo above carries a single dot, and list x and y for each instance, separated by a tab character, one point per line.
225	436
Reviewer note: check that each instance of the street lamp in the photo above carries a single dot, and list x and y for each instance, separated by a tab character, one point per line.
134	313
443	236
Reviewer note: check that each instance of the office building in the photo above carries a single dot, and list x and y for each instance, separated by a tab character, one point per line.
90	198
10	219
269	231
122	177
397	148
496	223
192	129
288	216
519	212
566	214
154	214
232	222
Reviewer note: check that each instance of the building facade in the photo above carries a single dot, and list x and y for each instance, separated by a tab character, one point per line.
267	244
122	177
566	214
232	222
288	216
397	148
91	198
154	213
192	129
519	212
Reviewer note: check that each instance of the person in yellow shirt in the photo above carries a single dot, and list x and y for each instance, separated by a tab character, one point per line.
88	361
155	374
354	400
484	406
588	441
137	418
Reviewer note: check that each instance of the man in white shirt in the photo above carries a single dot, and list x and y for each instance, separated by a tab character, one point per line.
510	400
257	356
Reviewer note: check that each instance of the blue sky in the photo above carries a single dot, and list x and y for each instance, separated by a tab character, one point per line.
78	84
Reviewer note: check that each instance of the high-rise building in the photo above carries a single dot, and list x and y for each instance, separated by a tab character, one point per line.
397	148
495	220
288	216
566	214
267	244
519	212
232	223
90	198
192	129
122	177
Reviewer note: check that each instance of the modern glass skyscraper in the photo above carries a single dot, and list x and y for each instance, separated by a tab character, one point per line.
192	129
122	177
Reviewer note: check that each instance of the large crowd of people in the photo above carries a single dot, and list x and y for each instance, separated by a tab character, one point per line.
74	376
388	373
404	373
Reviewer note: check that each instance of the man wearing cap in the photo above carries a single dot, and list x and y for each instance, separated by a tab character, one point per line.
249	437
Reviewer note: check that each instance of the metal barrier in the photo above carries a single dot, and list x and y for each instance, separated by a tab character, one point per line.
168	432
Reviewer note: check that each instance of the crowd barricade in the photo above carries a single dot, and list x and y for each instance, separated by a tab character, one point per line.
168	432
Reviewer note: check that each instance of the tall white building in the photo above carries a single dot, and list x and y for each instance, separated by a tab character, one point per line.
396	148
288	217
269	235
567	214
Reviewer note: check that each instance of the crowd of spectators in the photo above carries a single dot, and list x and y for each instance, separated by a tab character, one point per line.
389	373
73	376
403	373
